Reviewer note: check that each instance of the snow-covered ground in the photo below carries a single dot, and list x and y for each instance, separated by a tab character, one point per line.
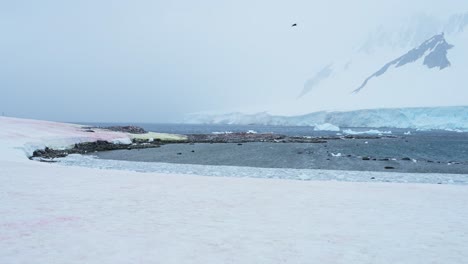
63	214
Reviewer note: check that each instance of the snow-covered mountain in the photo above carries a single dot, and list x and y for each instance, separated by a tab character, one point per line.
433	52
419	63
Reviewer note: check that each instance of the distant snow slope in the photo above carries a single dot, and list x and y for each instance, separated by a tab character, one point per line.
58	214
416	118
410	32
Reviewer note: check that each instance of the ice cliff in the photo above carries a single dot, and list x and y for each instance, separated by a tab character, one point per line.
415	118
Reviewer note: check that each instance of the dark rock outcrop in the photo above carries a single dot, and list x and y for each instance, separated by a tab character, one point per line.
127	129
89	147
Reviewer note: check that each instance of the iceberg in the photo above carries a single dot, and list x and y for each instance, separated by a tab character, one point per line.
369	132
326	127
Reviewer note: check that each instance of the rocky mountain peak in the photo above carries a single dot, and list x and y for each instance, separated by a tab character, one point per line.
433	52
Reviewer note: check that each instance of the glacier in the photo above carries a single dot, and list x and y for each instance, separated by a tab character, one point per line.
445	118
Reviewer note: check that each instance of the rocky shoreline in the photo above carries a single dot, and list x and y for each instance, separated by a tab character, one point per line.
49	154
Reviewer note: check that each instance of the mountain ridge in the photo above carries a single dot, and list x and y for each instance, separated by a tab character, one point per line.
436	49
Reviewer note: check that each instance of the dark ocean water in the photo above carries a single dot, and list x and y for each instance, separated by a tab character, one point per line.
417	151
207	129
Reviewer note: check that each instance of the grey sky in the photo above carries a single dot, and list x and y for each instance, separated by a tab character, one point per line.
155	61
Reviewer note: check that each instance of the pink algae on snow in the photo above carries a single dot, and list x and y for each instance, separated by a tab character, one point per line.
39	129
39	223
33	133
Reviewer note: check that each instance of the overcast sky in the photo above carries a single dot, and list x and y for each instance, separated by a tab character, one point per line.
155	61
